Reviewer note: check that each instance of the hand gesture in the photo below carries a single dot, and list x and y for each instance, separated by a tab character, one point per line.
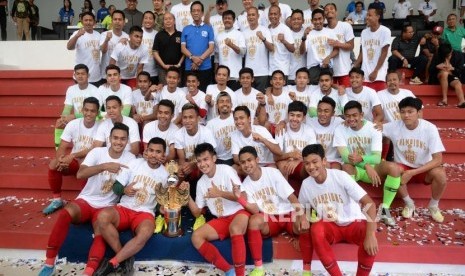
81	32
236	190
190	99
260	35
260	98
257	137
108	36
213	192
113	167
184	186
373	175
332	42
281	37
208	99
228	42
307	31
129	190
355	158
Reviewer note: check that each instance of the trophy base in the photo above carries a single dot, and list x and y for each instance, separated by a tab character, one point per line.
176	234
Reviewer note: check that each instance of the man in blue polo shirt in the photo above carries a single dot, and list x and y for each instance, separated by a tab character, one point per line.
197	44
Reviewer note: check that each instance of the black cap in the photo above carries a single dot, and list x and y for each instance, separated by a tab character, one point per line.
221	2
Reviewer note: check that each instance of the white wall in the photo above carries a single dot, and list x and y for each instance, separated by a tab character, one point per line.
49	8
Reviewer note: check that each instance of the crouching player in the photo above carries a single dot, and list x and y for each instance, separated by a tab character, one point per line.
336	197
272	202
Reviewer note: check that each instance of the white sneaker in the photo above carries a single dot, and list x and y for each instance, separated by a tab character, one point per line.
436	214
408	211
415	81
386	218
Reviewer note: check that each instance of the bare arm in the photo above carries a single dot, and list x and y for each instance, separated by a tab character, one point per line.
369	207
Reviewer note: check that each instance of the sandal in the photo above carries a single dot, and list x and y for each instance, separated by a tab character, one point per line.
462	105
442	103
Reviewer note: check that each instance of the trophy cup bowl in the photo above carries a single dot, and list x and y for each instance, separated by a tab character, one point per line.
172	199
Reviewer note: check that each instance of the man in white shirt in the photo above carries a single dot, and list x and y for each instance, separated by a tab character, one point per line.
113	106
360	144
320	53
325	88
259	43
230	48
338	200
286	12
247	95
109	40
297	59
270	199
242	23
195	96
182	14
216	21
130	58
135	211
215	191
374	48
428	9
101	167
402	9
142	110
313	5
281	37
86	42
116	88
213	90
222	127
80	132
418	152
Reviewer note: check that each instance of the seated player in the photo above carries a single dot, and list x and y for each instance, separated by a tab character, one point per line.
360	144
215	191
101	166
271	201
115	88
222	127
292	140
195	96
247	94
324	125
418	152
301	91
136	185
142	111
221	78
114	107
256	136
336	198
74	98
325	88
80	132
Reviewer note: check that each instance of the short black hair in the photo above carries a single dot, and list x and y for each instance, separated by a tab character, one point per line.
411	102
203	147
357	71
117	11
167	103
392	71
353	104
112	67
224	67
229	12
299	11
277	71
91	100
328	100
246	70
188	106
113	98
172	69
317	11
149	12
120	126
81	66
158	141
144	73
248	149
134	29
379	12
198	3
297	106
302	70
192	74
88	13
314	149
242	108
325	72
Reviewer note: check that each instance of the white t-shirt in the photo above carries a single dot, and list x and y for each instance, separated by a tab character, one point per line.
372	44
249	100
98	190
242	23
286	12
341	101
147	40
151	130
290	140
128	59
88	53
226	55
77	133
114	40
364	141
182	15
75	96
302	96
342	62
222	130
367	98
265	156
219	207
146	179
278	111
178	97
142	106
279	59
182	140
414	148
124	93
428	9
401	10
213	90
317	46
199	100
325	136
270	192
336	199
257	53
297	60
308	18
103	132
390	103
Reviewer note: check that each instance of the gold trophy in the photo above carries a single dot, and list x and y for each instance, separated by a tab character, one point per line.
172	199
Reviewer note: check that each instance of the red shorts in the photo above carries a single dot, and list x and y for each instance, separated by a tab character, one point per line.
419	178
221	225
376	85
130	82
279	223
131	219
88	213
353	233
342	80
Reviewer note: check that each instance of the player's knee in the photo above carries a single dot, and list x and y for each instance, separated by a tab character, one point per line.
197	239
439	177
392	169
255	221
348	168
237	229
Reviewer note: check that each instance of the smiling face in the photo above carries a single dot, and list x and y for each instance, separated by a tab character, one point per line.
356	80
249	163
113	77
143	82
192	84
148	21
197	13
354	118
274	14
317	20
81	76
228	22
206	163
154	153
393	81
295	119
325	113
372	18
89	112
113	109
164	115
242	121
296	21
135	39
224	105
252	17
118	140
246	80
325	82
315	166
410	116
88	23
190	120
117	21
